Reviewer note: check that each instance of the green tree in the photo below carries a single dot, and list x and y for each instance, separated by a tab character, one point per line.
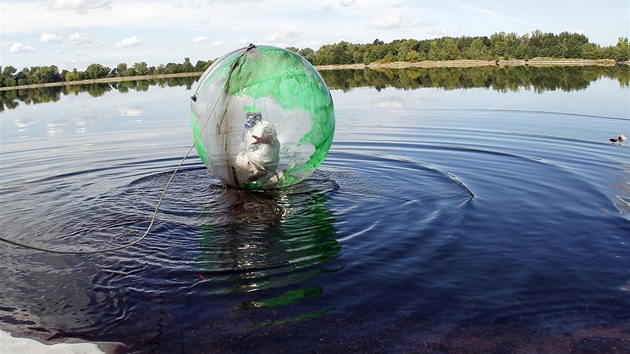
375	51
571	44
75	75
120	69
187	67
512	41
404	47
523	51
96	71
174	68
46	74
202	65
357	53
323	55
434	50
8	71
161	69
343	53
476	50
308	54
130	72
444	49
622	49
24	77
8	78
591	51
498	44
70	76
413	56
141	68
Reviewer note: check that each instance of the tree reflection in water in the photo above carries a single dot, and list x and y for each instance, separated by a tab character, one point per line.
500	78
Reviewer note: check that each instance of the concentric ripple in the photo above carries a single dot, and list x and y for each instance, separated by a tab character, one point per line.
419	224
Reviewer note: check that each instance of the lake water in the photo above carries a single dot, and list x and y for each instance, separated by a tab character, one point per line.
448	216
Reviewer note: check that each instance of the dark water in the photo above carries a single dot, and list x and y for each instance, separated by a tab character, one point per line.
442	220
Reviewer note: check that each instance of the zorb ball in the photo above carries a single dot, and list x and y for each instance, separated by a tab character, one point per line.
262	117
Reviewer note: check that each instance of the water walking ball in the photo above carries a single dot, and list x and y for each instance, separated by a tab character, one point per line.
262	117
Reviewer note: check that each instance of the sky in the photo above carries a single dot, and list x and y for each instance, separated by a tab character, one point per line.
76	33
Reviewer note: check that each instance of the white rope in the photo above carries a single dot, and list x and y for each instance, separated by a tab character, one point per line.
157	207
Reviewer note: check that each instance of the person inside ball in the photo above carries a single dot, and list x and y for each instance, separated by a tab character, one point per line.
262	149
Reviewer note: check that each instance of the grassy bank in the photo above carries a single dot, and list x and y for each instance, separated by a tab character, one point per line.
474	63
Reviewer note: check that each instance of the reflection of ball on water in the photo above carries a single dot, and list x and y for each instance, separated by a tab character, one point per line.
265	118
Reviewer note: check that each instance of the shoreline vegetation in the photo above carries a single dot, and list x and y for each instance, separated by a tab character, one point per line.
502	49
374	66
535	75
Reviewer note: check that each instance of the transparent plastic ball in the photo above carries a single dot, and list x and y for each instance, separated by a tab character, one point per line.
262	117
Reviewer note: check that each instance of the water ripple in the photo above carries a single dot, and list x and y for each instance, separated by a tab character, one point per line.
466	217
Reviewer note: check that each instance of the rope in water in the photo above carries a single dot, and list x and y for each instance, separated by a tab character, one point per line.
157	207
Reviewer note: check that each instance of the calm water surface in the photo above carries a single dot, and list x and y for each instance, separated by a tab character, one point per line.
442	220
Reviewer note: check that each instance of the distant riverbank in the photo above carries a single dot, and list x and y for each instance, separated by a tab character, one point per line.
474	63
422	64
103	80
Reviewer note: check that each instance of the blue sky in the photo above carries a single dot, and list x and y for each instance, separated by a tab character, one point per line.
76	33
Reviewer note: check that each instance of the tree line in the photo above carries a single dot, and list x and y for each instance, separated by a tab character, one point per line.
11	99
499	78
499	46
9	76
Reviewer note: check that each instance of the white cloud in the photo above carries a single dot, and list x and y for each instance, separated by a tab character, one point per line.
169	33
17	48
80	6
49	38
200	39
395	21
388	21
128	42
288	33
80	52
81	39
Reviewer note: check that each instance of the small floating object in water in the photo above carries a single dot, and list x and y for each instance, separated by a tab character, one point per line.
264	116
621	138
